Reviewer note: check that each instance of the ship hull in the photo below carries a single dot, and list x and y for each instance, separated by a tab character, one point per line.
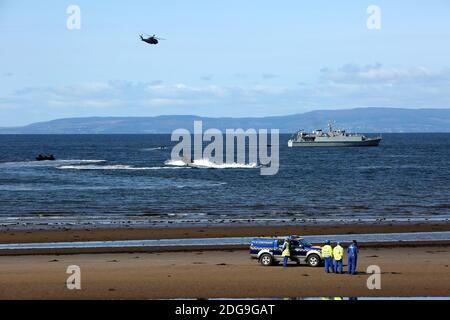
365	143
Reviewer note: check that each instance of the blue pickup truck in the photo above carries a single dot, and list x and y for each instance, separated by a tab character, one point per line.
268	251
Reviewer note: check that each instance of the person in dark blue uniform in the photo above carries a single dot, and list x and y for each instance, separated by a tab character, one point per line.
352	252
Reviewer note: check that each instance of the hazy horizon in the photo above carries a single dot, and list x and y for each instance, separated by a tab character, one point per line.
357	120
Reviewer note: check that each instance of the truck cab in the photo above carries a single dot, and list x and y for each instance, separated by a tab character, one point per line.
268	251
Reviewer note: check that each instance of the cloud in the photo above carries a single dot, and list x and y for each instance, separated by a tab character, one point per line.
376	85
207	77
156	82
240	76
268	76
345	87
377	74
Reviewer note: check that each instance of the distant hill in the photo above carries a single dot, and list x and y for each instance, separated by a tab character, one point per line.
356	120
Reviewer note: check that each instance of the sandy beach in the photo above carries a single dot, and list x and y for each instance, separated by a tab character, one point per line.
408	269
421	271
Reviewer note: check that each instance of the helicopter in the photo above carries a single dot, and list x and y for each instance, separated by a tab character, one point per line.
151	39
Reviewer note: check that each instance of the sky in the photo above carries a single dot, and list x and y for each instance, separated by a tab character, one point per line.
220	58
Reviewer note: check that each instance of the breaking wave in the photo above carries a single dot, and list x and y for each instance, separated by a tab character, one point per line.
111	167
54	163
97	167
154	149
208	164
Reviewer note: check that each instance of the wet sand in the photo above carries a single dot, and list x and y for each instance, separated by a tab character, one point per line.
421	271
98	234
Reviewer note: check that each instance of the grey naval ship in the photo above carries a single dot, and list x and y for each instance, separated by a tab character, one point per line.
332	138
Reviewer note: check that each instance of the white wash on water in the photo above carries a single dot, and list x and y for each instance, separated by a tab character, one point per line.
235	147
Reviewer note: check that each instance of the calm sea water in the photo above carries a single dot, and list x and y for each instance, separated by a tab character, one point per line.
124	179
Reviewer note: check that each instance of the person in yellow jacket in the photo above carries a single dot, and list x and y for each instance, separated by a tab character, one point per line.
338	255
286	254
327	255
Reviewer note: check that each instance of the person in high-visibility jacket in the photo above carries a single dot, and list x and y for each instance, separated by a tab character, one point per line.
286	251
327	255
338	256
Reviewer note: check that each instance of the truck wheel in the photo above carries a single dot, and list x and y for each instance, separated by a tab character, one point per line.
313	260
266	259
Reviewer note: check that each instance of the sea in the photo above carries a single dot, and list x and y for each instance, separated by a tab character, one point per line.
128	180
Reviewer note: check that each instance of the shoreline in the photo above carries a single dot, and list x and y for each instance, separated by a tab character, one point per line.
14	236
190	249
57	223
